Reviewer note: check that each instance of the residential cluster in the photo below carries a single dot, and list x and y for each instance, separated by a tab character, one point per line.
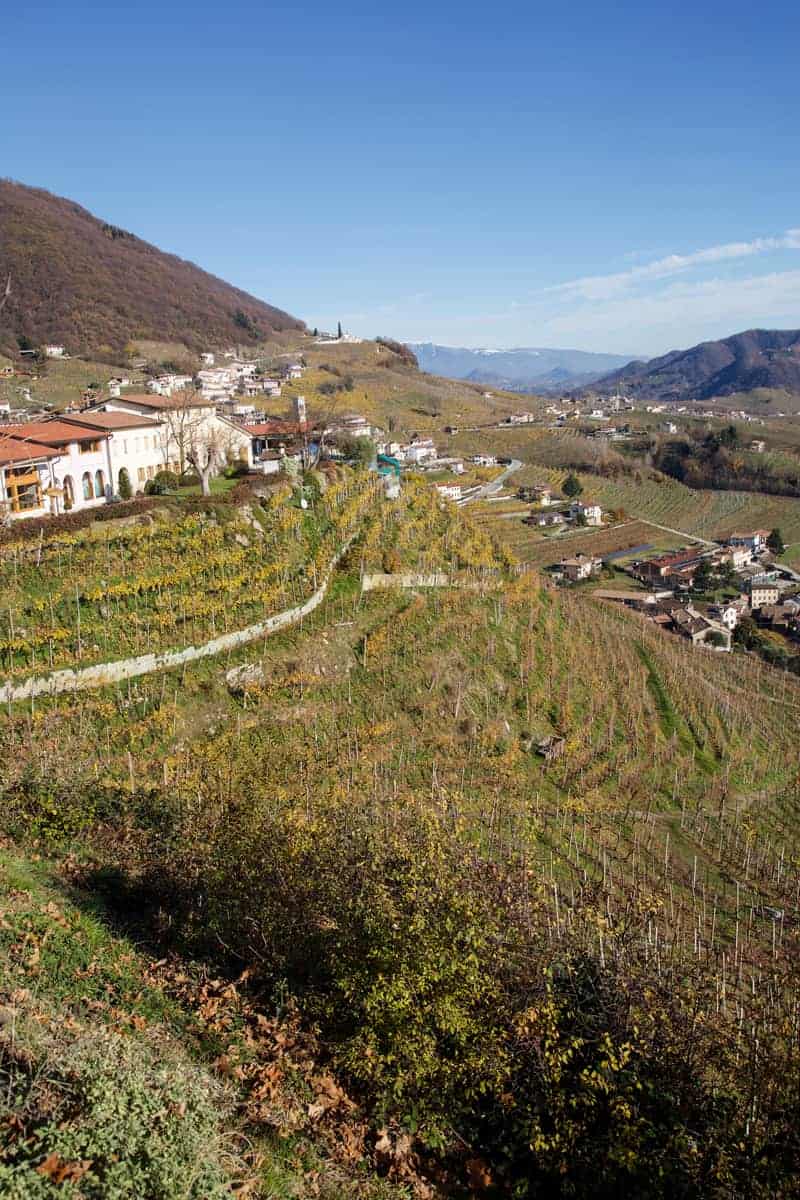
766	592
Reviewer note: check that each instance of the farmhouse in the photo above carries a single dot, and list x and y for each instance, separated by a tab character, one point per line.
591	513
537	493
679	564
582	566
729	613
544	520
762	594
755	541
82	469
189	421
449	491
134	444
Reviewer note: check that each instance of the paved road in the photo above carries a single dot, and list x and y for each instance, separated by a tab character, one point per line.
495	485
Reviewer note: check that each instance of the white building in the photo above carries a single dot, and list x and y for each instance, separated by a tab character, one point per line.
52	351
187	420
207	358
449	491
81	468
419	451
762	594
136	443
166	385
218	383
592	513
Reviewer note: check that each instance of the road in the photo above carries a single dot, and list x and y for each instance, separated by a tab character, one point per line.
488	489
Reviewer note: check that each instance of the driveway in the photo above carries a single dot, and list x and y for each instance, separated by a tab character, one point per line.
488	489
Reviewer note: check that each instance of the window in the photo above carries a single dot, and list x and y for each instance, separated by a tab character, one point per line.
69	493
151	472
89	447
99	484
141	475
88	490
124	446
24	488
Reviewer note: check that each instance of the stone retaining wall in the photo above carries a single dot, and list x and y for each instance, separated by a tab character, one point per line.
101	674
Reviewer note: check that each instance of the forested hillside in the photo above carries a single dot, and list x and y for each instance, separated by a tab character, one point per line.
79	281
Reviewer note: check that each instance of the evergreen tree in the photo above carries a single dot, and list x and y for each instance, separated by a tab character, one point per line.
572	486
775	542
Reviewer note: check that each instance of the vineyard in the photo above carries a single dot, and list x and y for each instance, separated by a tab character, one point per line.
530	545
552	966
78	599
705	514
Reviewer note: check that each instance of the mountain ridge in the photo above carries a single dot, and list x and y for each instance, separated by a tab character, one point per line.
518	368
81	281
743	362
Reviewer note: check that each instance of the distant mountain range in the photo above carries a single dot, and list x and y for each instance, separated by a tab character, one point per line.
758	358
525	369
89	285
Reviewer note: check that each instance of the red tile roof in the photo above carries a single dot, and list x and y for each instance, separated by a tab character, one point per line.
54	433
17	450
270	428
154	401
113	420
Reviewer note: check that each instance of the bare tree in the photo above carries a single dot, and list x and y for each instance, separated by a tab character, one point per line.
185	420
6	294
205	457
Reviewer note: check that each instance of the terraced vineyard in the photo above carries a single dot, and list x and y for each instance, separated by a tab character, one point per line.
85	598
368	829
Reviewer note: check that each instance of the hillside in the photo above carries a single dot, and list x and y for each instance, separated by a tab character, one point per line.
521	369
79	281
394	946
745	362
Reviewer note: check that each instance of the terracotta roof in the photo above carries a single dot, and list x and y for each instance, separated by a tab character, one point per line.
268	428
15	450
153	400
54	433
113	420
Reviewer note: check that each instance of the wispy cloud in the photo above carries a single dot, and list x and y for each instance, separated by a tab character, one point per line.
606	287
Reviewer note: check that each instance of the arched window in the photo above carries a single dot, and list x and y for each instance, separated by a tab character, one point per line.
99	484
69	493
88	490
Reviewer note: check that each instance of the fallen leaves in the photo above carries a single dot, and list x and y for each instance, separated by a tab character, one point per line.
58	1170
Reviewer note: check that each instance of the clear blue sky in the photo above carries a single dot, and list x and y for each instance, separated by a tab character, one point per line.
503	174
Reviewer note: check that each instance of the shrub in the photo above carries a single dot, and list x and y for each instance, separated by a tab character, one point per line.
125	488
108	1118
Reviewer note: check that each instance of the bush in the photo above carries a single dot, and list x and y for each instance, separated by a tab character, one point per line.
107	1118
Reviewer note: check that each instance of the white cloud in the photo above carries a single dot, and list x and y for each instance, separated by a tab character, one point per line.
605	287
679	315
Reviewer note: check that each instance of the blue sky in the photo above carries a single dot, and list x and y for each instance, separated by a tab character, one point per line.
622	178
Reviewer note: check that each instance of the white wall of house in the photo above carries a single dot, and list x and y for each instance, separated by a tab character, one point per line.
202	425
83	470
